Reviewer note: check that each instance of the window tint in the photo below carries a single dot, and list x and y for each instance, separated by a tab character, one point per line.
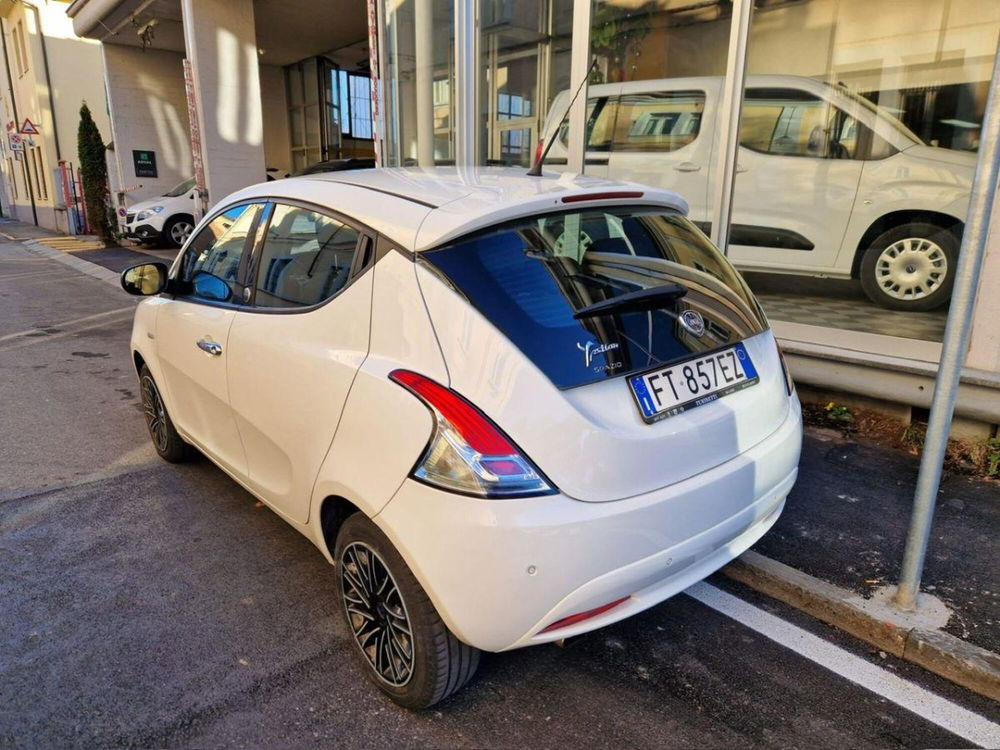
660	121
790	122
306	258
529	277
216	252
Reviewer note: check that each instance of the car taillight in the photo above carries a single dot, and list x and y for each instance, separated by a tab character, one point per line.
789	383
467	452
538	150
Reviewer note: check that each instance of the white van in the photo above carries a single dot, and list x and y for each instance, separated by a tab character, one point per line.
827	183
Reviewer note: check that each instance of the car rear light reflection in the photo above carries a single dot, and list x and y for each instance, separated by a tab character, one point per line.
467	452
538	150
565	622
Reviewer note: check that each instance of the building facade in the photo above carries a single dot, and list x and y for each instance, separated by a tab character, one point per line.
50	73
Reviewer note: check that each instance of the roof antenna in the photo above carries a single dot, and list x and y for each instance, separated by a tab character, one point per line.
536	168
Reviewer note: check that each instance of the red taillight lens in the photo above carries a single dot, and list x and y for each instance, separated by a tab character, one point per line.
619	195
581	616
467	452
538	150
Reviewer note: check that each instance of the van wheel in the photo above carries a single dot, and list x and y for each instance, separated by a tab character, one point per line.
406	649
168	443
910	267
177	230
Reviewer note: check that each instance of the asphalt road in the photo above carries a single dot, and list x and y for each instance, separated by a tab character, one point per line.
148	605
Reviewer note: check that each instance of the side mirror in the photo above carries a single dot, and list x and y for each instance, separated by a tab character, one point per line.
211	287
145	279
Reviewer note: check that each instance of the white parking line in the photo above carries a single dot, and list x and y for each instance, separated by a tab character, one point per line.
947	715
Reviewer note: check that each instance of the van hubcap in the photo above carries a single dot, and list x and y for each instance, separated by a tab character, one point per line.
377	614
911	269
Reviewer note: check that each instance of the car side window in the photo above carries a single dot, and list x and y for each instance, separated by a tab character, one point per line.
661	121
306	258
790	122
211	261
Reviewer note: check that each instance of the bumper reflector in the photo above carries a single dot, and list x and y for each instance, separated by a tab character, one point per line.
565	622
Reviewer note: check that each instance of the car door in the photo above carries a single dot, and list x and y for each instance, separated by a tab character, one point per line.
294	352
662	138
192	333
799	167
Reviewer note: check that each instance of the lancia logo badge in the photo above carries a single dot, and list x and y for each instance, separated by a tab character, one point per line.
693	322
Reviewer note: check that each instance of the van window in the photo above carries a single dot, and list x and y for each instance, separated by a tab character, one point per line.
528	277
600	124
790	122
658	121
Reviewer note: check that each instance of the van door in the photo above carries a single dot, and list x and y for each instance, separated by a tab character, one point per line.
662	138
799	167
294	352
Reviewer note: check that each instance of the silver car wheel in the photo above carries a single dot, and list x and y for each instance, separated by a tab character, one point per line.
911	269
180	231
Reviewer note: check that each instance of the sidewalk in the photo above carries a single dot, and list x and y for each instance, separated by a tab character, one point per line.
85	247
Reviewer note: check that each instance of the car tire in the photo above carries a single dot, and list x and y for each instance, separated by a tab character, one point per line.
381	600
910	267
177	230
168	443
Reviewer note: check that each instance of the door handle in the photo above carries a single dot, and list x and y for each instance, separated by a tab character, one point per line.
687	166
207	345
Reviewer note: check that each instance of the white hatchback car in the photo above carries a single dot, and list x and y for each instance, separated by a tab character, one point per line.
509	409
827	183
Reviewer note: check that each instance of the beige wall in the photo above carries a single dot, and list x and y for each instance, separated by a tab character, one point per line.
146	90
74	75
984	348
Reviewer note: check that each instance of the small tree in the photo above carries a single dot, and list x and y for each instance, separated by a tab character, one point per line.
94	174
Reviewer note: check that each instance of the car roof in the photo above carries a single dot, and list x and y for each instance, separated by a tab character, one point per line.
422	208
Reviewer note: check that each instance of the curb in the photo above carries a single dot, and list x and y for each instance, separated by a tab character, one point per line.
952	658
83	266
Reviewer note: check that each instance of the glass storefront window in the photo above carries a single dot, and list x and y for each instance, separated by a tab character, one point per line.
418	43
857	151
525	53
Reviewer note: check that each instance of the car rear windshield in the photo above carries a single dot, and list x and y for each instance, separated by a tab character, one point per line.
604	292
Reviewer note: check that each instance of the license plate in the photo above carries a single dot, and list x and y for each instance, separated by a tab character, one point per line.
671	390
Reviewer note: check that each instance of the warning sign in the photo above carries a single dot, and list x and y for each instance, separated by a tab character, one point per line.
28	127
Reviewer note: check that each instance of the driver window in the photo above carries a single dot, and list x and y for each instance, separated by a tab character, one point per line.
215	252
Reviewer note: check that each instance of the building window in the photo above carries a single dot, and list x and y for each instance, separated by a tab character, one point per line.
355	104
20	49
38	172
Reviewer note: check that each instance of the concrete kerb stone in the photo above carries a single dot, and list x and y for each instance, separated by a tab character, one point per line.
91	269
905	637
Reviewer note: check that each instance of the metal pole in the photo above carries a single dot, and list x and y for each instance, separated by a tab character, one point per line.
423	42
956	344
466	75
579	70
729	122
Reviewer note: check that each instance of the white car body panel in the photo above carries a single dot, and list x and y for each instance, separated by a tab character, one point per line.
299	408
831	202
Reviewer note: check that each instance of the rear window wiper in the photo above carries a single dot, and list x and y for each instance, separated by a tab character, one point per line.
652	298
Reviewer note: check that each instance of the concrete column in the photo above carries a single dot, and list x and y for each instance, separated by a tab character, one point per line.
984	344
221	45
423	33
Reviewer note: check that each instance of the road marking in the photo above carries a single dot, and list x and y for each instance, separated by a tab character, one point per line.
949	716
63	324
26	274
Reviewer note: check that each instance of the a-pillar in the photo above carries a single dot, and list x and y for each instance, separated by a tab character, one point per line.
221	45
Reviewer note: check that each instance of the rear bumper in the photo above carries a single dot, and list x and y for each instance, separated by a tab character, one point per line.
500	571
